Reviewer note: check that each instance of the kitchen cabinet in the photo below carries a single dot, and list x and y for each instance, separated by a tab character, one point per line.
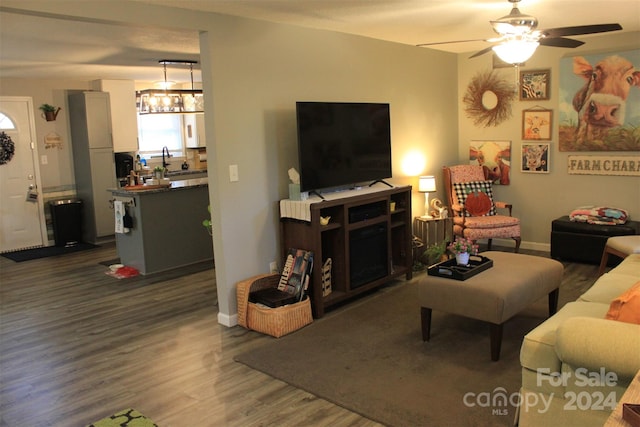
194	130
166	231
122	99
93	161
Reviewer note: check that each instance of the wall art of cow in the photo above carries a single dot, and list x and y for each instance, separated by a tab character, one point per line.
535	157
603	112
536	124
495	159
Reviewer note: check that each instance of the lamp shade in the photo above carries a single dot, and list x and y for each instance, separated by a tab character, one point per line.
427	184
515	51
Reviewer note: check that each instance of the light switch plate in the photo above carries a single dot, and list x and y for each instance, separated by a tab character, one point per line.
233	173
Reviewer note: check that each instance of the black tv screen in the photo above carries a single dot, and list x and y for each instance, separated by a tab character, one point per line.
342	143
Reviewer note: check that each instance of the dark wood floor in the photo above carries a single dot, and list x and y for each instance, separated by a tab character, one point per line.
77	345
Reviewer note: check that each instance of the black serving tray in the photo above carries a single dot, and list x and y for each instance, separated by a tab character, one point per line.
450	269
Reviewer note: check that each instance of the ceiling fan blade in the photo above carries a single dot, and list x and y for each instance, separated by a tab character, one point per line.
581	29
449	42
481	52
560	42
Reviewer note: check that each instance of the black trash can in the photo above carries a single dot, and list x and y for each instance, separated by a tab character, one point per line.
67	221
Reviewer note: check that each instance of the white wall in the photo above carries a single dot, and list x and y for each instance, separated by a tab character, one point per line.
540	198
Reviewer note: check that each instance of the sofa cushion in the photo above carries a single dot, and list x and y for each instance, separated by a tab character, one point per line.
626	308
490	222
538	346
630	265
608	287
585	342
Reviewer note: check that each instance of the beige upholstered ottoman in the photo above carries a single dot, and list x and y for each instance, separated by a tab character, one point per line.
495	295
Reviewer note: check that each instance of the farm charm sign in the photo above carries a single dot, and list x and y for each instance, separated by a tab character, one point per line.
604	165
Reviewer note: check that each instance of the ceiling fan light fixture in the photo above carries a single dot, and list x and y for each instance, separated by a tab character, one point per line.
515	23
515	51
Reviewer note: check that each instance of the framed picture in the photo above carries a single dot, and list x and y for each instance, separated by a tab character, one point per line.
534	85
495	159
536	124
535	157
602	118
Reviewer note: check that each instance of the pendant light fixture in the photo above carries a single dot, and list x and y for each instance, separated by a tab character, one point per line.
169	100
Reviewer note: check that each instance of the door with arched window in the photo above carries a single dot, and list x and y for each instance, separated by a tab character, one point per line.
22	221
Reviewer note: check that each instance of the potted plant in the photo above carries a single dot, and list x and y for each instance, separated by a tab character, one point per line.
158	172
462	248
206	223
50	112
436	252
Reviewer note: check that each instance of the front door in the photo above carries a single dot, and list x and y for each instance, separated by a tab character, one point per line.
22	222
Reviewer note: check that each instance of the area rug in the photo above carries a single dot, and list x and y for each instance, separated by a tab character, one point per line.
125	418
370	358
29	254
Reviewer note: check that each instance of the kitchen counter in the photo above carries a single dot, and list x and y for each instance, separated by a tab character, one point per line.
167	229
176	174
173	185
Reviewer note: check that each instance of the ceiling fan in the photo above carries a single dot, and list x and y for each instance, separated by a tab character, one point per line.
518	37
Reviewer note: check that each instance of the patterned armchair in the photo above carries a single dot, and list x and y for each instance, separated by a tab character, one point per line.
475	214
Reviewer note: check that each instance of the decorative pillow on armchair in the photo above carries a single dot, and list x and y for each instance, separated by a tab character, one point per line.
476	197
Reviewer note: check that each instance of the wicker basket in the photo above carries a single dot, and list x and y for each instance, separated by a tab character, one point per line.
272	321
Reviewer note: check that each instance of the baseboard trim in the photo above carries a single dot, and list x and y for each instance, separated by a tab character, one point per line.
228	320
533	246
232	320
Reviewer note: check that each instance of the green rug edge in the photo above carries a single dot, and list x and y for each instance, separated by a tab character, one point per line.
128	417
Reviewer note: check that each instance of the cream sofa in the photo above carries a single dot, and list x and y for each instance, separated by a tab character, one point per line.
577	364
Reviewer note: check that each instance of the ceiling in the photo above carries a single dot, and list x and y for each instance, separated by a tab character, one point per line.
38	47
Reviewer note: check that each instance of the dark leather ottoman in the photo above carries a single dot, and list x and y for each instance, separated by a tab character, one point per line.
583	242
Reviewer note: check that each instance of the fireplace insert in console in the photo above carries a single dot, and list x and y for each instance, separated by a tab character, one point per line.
368	254
364	212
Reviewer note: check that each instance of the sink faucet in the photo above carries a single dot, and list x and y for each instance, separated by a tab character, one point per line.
164	162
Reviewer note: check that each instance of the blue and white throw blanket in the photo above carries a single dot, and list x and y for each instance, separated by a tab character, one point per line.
599	215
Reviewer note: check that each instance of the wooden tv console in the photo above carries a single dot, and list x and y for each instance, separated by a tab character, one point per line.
368	243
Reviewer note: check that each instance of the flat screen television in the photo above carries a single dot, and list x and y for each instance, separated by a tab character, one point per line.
342	144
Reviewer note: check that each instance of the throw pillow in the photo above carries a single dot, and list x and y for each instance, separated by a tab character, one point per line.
626	308
476	197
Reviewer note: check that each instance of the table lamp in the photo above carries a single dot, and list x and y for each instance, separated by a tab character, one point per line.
426	185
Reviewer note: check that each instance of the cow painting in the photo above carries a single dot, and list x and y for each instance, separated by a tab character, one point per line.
495	159
534	85
535	157
537	124
605	103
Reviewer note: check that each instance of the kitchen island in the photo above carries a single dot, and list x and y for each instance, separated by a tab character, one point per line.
166	231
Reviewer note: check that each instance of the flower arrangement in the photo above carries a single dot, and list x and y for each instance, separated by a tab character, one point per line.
463	245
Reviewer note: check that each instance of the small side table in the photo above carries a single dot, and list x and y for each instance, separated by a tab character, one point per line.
632	395
433	230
